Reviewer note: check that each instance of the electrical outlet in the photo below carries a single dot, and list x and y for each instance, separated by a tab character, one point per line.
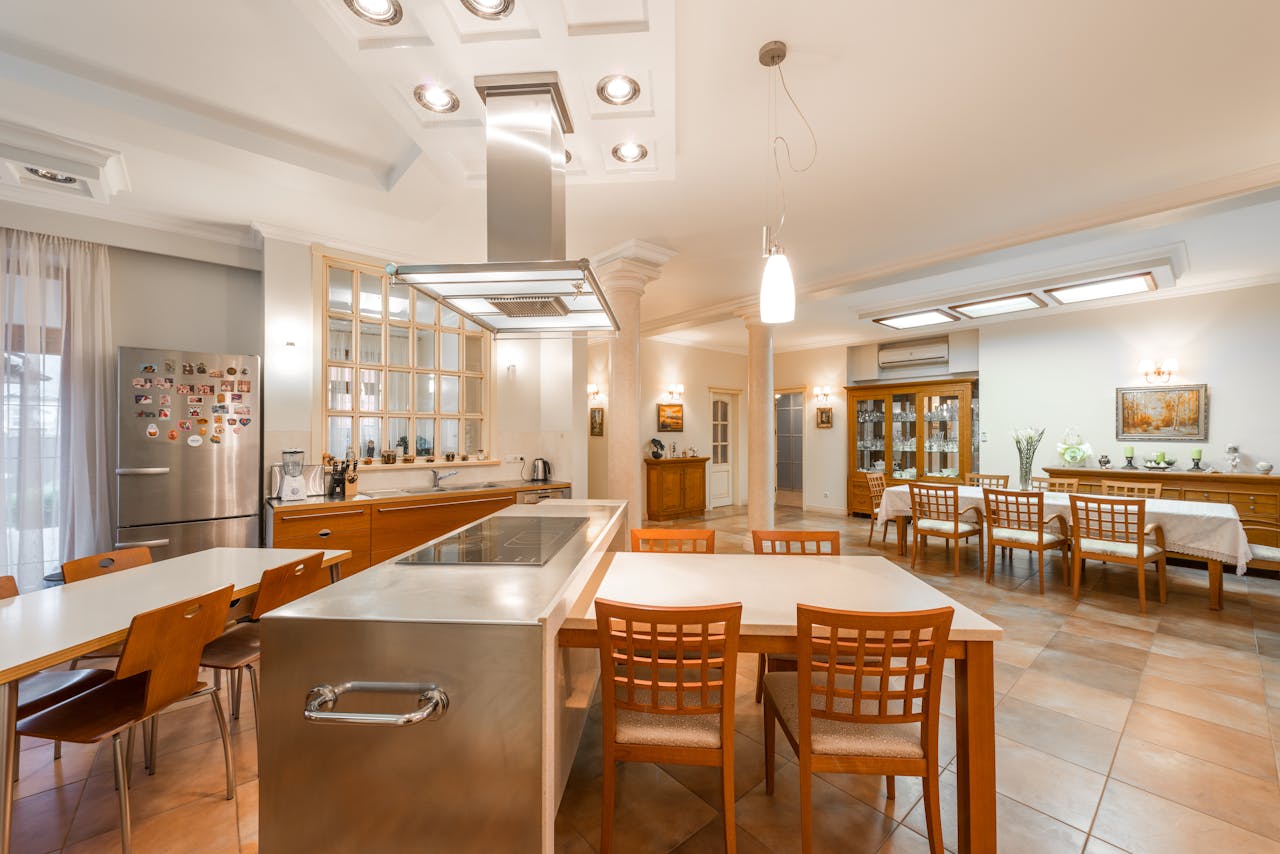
826	495
513	458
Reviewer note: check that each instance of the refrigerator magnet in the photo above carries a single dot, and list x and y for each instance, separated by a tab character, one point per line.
193	412
244	386
148	368
219	430
195	441
204	389
166	400
152	431
168	366
244	422
184	388
141	382
227	385
217	440
235	430
173	435
142	398
215	373
188	369
220	409
217	419
165	383
201	369
231	371
164	414
240	409
204	431
236	398
202	420
195	400
184	426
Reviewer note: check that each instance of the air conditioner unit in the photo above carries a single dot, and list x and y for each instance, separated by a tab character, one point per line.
912	354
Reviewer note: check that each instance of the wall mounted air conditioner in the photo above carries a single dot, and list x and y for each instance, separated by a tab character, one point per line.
902	356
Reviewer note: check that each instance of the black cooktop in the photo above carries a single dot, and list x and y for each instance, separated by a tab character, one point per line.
521	540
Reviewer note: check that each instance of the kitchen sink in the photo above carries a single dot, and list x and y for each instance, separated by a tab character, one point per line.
461	486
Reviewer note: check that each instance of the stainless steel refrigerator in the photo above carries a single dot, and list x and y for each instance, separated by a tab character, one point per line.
188	450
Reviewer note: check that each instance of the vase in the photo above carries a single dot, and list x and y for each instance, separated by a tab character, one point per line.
1024	473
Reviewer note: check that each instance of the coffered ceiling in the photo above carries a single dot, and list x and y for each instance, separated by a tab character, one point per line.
952	137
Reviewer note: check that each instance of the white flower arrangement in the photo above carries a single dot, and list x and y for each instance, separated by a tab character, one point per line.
1073	450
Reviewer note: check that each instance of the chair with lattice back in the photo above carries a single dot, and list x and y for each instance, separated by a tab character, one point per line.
682	540
1114	530
1131	489
1016	520
988	481
935	512
876	485
1055	484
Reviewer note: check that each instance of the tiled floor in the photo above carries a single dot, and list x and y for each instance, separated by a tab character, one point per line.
1115	732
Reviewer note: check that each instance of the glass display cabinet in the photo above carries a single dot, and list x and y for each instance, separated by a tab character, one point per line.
926	430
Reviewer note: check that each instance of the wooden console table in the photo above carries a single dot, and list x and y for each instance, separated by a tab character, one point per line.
675	487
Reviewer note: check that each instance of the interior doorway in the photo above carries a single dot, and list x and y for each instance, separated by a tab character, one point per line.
724	443
788	409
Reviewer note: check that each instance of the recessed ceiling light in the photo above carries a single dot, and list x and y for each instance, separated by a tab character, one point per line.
437	99
629	152
928	317
384	13
1117	287
490	10
999	305
51	176
618	89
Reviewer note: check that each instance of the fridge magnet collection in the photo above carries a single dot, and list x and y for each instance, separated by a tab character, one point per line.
230	400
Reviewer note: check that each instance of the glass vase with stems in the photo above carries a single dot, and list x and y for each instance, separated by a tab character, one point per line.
1026	440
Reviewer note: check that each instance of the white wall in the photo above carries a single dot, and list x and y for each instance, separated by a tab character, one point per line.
826	451
1063	371
290	374
598	446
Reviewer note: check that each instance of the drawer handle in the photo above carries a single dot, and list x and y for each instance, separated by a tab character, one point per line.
406	507
432	704
320	515
323	532
469	501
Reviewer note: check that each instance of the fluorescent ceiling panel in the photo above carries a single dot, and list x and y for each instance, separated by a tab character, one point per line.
1122	286
931	317
1000	305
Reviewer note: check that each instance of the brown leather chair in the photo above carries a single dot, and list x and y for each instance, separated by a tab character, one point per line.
684	540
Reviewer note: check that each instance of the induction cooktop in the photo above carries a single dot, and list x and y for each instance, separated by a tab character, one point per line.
502	540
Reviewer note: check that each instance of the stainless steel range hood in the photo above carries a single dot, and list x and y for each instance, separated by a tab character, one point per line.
527	287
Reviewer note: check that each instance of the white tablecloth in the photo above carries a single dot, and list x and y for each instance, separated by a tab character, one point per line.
1196	528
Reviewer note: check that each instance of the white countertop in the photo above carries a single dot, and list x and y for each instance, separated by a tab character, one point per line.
769	588
46	627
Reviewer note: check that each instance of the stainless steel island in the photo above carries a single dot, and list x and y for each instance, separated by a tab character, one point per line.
424	705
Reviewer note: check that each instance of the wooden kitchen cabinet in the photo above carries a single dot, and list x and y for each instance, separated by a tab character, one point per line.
325	527
675	488
398	526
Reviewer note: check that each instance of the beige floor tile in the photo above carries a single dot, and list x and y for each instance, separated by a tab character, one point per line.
1110	632
1101	650
1204	704
654	812
1094	705
840	822
1121	613
871	790
1244	685
1079	742
1143	823
41	821
247	812
748	771
1048	784
1088	671
39	771
1097	846
904	840
710	840
1200	652
200	827
1017	653
1224	793
1222	745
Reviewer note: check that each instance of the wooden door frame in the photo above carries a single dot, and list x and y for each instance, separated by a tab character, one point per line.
736	442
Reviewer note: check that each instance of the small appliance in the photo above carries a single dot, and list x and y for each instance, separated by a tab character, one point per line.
293	486
541	469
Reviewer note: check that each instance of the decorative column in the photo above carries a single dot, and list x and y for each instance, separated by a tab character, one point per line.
762	470
623	273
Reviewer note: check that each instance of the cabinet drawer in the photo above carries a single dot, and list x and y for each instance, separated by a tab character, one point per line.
1174	494
310	522
1211	495
1256	504
356	542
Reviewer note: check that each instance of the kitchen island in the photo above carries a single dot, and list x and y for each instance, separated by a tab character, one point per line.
473	617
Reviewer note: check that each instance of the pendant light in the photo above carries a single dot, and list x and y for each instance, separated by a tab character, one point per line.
777	286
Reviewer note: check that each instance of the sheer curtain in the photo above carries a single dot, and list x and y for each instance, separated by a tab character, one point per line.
57	404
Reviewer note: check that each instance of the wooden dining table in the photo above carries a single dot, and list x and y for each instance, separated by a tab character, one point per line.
1195	530
48	627
770	587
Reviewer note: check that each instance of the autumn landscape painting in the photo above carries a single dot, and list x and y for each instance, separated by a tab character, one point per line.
1175	413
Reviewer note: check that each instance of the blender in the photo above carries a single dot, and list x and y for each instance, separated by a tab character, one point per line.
293	485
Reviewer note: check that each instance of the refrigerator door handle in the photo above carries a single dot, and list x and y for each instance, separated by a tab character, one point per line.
151	544
157	470
433	702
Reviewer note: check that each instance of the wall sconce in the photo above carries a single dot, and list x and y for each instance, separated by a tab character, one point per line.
822	393
675	392
1161	374
593	391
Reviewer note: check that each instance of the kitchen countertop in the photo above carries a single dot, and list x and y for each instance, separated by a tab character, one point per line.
379	495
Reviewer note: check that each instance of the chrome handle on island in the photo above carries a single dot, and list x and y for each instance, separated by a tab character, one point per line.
433	702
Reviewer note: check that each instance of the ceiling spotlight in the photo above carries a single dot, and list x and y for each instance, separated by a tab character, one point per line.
490	10
51	176
437	99
629	152
618	89
384	13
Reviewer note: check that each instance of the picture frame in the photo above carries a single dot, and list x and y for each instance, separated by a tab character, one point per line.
670	417
1173	413
826	420
597	421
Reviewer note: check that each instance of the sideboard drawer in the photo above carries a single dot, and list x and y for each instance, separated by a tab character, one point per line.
1255	504
1210	495
1174	494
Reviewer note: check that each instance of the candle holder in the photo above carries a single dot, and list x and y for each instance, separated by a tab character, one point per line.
1128	463
1195	465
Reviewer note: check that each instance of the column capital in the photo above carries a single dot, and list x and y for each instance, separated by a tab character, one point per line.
630	266
751	318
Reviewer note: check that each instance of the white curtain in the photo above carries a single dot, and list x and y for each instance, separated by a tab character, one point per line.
58	402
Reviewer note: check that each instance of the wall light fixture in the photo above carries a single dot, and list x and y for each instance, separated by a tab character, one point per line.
675	392
822	393
1161	374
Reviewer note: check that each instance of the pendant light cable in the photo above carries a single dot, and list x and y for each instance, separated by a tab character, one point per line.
776	139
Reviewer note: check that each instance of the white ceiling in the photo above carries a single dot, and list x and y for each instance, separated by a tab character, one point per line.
947	133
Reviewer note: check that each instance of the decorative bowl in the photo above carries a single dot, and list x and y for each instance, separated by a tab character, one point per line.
1264	467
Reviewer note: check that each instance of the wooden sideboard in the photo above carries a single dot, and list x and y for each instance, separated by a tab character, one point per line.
675	487
1256	497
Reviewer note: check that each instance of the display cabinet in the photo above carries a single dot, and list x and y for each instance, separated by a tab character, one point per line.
926	430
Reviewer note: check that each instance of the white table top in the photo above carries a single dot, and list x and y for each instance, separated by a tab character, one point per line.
1197	528
770	587
46	627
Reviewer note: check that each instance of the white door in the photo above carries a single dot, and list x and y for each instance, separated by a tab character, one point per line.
720	469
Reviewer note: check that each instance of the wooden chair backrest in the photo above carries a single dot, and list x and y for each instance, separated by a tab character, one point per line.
107	562
796	542
1008	508
684	540
1118	520
282	584
931	501
8	587
875	668
667	661
1055	484
875	484
1131	488
989	481
166	644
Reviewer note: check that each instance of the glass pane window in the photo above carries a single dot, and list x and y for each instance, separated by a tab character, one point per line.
424	309
398	346
340	290
398	301
370	390
340	343
424	437
473	439
448	435
449	317
370	343
473	395
424	348
370	295
340	391
339	435
449	351
426	396
398	435
474	360
370	436
398	391
448	394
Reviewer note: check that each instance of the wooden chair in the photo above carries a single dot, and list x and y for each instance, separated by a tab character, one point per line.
876	483
667	688
159	666
1264	556
1114	530
787	543
935	513
1016	520
1055	484
39	691
865	701
1131	489
988	481
93	566
239	649
685	540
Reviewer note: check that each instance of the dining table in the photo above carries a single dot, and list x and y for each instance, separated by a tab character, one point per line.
44	628
1195	530
769	588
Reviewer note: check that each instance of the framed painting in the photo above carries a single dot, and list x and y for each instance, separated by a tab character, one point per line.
670	417
1176	413
597	421
825	419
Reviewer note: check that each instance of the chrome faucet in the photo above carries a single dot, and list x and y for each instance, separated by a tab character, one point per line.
436	477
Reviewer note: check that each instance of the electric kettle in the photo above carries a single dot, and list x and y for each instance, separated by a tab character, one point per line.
541	469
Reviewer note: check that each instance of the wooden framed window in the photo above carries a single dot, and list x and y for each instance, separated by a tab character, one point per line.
401	371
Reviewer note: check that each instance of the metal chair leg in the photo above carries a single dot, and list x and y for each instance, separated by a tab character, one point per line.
122	776
227	754
57	750
155	739
253	688
128	755
237	690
